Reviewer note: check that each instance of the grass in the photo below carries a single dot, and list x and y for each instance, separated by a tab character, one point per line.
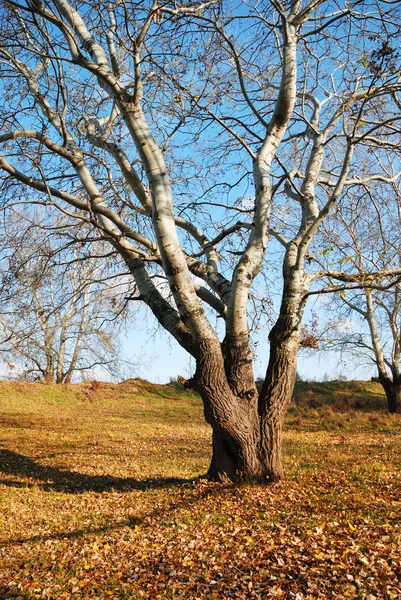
100	497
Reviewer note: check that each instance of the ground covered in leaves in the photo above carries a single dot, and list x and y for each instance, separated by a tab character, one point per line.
100	497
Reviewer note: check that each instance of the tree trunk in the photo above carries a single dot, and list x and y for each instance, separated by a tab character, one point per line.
234	460
393	394
78	342
238	362
247	434
234	420
49	371
61	355
276	394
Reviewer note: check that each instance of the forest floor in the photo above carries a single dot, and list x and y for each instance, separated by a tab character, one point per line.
101	497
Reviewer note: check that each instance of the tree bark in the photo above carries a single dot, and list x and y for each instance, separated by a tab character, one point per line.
233	459
61	356
78	342
276	394
234	420
393	394
49	371
247	431
238	361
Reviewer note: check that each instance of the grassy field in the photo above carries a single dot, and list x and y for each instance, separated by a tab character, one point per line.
100	497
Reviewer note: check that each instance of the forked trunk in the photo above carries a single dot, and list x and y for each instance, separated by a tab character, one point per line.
393	394
234	420
247	434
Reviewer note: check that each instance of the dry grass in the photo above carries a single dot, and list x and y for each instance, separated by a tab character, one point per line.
99	498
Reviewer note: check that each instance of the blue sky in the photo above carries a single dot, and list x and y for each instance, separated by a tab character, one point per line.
160	358
157	358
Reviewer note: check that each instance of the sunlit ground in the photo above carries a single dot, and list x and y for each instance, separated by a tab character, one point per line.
100	498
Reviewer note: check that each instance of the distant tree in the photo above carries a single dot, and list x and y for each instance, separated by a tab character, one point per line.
370	239
195	136
58	317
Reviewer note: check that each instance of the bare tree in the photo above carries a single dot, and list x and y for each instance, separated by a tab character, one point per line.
370	240
60	314
191	135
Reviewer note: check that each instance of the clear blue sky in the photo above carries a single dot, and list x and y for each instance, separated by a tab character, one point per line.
158	357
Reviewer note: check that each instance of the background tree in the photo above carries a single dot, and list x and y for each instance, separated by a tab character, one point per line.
368	319
60	313
191	136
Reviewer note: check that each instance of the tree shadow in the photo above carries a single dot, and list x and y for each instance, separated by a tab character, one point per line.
53	479
63	480
77	533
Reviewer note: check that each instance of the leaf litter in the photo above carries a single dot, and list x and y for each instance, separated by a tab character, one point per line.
114	507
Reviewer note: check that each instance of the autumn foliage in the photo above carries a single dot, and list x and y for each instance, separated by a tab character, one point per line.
100	497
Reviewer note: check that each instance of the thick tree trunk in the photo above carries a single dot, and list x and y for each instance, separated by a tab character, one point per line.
247	437
238	361
234	459
393	394
276	394
234	420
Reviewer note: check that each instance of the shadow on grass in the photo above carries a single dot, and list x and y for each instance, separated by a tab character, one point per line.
60	480
14	464
131	522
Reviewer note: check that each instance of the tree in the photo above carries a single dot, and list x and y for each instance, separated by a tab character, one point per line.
59	315
366	240
192	135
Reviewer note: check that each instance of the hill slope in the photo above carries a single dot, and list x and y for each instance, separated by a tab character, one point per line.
99	498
